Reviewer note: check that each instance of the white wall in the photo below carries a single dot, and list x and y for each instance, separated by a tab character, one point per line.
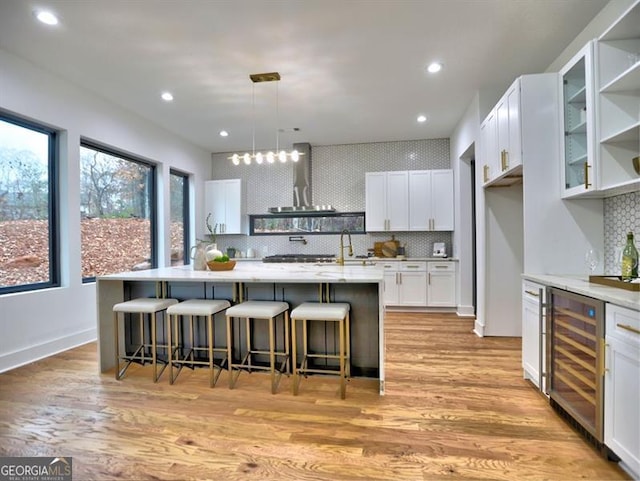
594	29
462	146
39	323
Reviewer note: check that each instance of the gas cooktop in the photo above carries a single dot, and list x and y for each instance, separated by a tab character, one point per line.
300	258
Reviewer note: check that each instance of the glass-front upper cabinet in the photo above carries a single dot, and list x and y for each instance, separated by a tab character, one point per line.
577	111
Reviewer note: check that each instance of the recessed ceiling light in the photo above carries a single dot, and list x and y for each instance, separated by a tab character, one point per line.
224	133
167	97
46	17
434	67
422	118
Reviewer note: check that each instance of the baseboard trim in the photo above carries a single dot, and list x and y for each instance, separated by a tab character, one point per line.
452	310
478	328
466	311
15	359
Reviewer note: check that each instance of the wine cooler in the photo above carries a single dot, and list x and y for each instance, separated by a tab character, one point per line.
575	351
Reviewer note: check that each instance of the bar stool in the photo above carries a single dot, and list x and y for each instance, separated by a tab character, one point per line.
141	306
198	308
325	312
259	310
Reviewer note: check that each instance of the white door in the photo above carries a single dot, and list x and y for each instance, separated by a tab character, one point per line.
442	199
398	200
514	152
391	288
531	339
621	407
215	203
441	289
233	206
498	161
376	201
489	146
420	208
413	288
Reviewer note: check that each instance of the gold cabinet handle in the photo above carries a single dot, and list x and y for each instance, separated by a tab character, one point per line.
531	293
503	160
586	175
485	172
603	352
429	278
627	327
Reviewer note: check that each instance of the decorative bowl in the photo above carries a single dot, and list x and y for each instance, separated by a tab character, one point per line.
221	266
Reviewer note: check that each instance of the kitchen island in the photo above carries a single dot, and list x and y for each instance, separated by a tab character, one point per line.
360	286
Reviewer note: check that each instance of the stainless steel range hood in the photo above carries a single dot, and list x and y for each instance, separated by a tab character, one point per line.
302	194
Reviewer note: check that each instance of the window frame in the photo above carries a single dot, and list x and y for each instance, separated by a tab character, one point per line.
52	204
153	208
185	214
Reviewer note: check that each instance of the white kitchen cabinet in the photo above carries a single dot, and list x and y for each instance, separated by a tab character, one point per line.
441	284
533	334
509	129
405	283
391	295
618	81
387	201
622	386
224	200
431	200
501	139
577	120
489	146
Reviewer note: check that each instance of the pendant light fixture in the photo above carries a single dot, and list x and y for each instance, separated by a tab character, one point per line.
270	156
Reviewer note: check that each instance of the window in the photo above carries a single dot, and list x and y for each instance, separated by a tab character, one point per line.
306	223
179	193
28	206
117	210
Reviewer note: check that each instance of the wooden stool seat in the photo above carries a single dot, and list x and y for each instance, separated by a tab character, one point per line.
326	312
259	310
195	308
141	306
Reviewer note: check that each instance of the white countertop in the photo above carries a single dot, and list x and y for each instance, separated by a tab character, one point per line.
259	272
580	285
358	260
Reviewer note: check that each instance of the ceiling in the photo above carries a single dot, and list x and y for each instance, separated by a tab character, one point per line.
352	71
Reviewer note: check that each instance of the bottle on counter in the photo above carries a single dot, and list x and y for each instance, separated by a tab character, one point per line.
629	268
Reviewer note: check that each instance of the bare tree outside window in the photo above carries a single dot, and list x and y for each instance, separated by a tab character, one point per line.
27	201
116	213
179	192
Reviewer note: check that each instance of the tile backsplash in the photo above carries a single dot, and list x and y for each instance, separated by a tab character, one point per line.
337	178
621	215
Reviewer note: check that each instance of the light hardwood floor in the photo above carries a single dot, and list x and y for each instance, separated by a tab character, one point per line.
455	408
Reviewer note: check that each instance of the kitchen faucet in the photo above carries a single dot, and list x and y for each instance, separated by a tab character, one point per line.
342	246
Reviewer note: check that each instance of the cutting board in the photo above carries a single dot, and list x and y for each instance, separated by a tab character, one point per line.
387	248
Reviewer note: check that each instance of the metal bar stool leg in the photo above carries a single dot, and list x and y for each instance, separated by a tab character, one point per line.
170	344
272	356
117	337
342	369
294	348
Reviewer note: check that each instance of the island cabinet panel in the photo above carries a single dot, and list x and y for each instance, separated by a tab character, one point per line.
294	283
